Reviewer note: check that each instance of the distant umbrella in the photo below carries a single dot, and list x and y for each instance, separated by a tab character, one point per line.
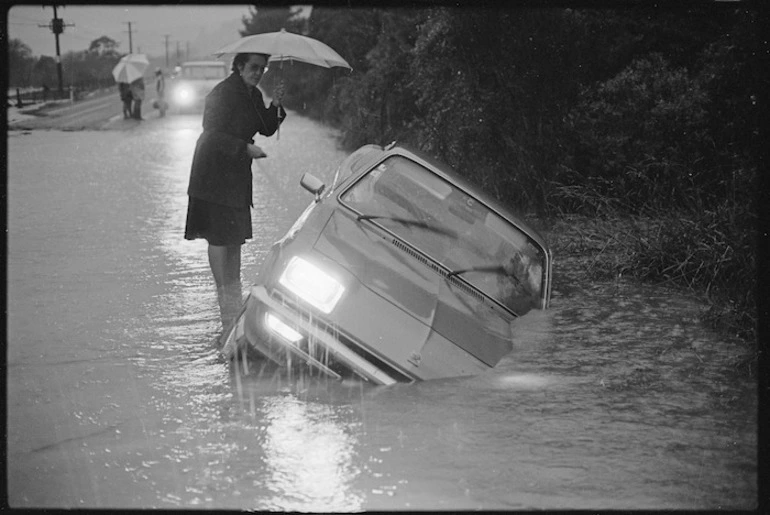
130	67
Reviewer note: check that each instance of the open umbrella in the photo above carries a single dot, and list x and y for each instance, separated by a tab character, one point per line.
130	67
286	46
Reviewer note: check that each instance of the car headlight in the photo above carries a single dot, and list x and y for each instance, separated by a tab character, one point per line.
184	95
282	329
311	284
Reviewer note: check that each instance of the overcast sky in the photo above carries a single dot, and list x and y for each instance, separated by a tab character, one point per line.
203	27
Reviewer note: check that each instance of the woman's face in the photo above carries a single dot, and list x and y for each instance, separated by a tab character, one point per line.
251	71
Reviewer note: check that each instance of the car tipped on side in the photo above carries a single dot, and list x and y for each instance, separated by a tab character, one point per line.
398	271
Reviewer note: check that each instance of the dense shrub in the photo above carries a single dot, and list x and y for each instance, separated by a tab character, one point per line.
642	140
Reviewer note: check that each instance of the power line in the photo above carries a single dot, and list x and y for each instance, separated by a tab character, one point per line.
26	24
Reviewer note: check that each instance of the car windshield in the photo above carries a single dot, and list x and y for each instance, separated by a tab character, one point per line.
453	228
204	72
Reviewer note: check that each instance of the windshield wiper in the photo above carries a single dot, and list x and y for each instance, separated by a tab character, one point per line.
411	222
497	269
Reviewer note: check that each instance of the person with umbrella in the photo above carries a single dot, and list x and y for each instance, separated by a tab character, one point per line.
220	187
160	90
126	98
129	74
137	93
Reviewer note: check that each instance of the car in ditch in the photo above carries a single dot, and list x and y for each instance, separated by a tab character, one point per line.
191	82
398	271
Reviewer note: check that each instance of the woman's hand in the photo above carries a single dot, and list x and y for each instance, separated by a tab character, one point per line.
278	92
254	151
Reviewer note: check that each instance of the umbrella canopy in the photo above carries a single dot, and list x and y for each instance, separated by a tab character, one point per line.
286	46
130	67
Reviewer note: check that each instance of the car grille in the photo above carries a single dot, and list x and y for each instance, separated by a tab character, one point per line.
340	336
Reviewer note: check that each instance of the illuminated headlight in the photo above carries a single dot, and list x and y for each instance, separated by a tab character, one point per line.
311	284
184	95
277	326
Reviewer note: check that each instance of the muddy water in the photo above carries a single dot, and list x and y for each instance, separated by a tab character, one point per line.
615	398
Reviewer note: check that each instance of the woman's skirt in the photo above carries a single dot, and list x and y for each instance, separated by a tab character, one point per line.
219	225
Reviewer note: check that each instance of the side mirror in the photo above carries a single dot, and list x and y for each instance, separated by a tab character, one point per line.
313	184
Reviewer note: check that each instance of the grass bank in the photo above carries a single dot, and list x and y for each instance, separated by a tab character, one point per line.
709	256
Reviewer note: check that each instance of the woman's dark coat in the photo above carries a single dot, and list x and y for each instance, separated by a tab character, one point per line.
221	168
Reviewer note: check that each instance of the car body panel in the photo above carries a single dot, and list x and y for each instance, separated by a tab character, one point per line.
429	274
384	267
247	330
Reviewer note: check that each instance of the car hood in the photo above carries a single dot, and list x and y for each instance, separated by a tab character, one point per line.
419	290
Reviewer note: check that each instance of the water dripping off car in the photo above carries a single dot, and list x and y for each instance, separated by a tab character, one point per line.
399	271
191	82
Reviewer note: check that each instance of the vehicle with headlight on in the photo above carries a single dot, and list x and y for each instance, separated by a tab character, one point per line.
398	271
194	80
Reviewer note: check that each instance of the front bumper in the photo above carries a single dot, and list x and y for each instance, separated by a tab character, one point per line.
320	346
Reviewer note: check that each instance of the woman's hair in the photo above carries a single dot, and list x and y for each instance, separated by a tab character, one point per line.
242	58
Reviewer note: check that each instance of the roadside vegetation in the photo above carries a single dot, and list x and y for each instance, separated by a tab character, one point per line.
85	70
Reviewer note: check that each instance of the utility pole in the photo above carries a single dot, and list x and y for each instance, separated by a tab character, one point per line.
166	36
130	42
57	27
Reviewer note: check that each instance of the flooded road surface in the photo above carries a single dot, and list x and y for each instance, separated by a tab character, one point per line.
615	398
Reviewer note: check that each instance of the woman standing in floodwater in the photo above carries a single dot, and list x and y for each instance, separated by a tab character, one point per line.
220	190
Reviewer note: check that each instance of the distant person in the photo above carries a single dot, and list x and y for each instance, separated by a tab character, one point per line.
137	92
46	90
220	190
160	90
126	98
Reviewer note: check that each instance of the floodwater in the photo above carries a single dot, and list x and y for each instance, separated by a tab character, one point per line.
615	398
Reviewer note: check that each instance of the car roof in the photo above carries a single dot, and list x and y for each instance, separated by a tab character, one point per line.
364	157
447	172
204	63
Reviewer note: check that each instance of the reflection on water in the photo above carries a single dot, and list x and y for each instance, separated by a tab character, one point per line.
302	452
309	456
615	398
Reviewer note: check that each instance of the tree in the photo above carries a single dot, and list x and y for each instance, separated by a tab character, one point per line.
644	129
378	105
271	19
104	46
44	71
20	63
351	32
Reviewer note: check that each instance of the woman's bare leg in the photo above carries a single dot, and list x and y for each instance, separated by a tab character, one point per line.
225	263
